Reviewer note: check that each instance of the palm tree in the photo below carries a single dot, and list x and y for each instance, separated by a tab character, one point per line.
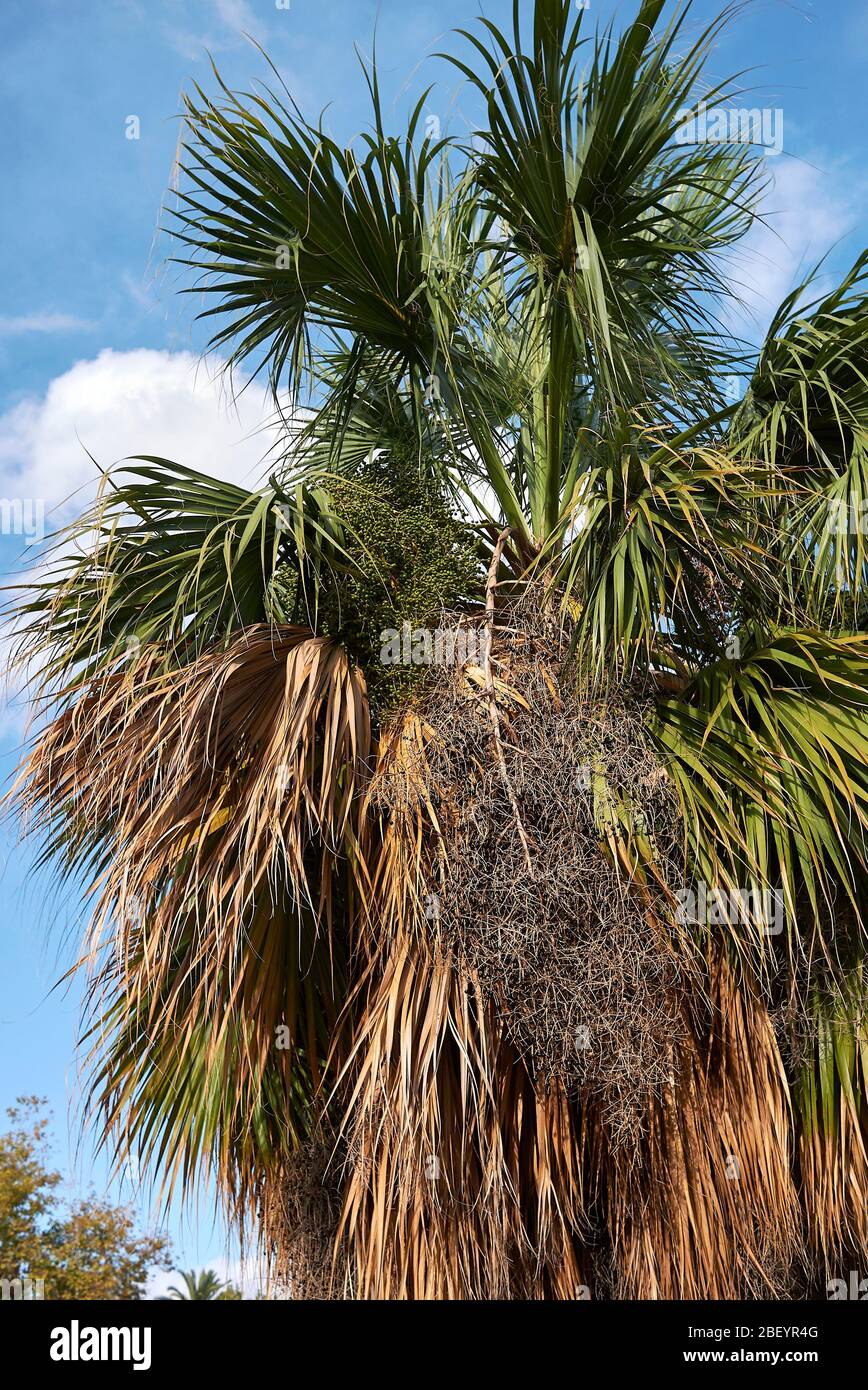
204	1287
476	811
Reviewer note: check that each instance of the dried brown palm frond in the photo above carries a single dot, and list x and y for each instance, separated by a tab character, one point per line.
207	779
459	1178
706	1207
833	1172
463	1144
833	1121
560	911
217	802
486	1152
463	1179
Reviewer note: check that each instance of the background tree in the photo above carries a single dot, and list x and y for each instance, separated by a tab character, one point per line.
86	1249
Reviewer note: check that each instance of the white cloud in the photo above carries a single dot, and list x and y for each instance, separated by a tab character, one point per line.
236	16
113	406
12	325
807	211
124	403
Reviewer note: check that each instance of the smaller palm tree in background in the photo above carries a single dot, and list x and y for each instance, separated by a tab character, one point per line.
204	1287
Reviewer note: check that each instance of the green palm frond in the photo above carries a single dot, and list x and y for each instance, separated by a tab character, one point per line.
188	1099
805	419
612	223
298	237
768	752
168	557
200	1288
658	548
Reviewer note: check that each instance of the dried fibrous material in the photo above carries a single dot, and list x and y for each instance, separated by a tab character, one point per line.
466	1179
543	1104
706	1206
212	802
831	1021
556	865
463	1177
300	1219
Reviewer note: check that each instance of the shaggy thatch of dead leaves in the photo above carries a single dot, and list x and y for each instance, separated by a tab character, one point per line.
572	947
303	1214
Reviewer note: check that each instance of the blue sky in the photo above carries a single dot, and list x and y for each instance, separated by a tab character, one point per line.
97	349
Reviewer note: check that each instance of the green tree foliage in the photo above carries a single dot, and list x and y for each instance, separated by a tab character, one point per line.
87	1248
